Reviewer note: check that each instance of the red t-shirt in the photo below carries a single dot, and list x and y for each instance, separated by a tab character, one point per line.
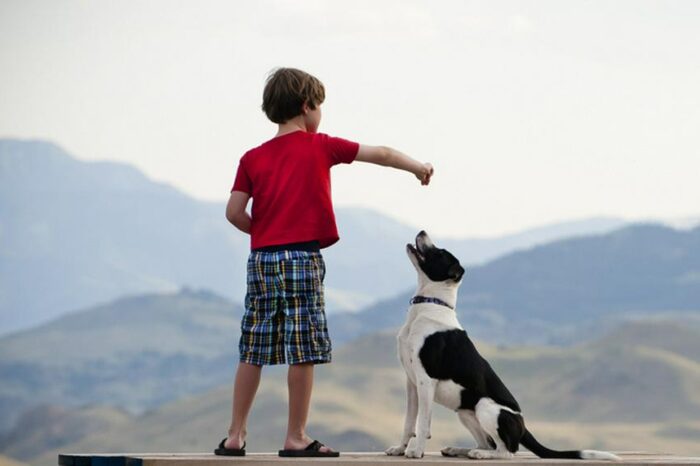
289	179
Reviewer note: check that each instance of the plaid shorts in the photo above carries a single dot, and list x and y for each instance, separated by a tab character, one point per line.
284	320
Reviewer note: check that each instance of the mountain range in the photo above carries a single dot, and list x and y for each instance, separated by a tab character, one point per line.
78	233
566	290
119	314
563	292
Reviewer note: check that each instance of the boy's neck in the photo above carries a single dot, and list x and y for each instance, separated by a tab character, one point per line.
290	126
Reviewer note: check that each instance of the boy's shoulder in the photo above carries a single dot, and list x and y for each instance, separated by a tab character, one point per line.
289	138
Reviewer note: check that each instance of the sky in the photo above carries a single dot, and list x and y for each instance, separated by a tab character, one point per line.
531	112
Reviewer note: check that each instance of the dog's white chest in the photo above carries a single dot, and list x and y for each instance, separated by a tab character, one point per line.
422	320
447	392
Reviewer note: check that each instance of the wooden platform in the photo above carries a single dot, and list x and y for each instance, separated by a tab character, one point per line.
347	459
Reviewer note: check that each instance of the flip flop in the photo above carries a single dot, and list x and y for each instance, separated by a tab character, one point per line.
312	450
223	451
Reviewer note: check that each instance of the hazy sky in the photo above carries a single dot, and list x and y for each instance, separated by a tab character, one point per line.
531	112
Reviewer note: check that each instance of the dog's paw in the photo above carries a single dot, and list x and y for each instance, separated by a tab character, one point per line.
481	454
477	454
455	451
398	450
413	450
414	453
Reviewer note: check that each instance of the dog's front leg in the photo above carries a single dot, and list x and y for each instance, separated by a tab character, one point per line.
426	393
409	425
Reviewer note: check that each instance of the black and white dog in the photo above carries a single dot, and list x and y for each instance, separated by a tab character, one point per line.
443	365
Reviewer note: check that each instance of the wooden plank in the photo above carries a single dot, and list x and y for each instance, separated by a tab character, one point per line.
350	459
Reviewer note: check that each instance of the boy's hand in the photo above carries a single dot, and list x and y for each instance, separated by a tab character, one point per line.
388	157
426	171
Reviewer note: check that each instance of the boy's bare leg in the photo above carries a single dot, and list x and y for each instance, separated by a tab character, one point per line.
300	380
244	389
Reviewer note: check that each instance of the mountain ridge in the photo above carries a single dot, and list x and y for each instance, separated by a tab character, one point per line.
86	232
558	290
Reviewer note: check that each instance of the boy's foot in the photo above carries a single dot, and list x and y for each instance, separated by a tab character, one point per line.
313	449
234	442
230	447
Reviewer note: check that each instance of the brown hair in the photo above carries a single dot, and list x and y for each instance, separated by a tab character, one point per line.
286	90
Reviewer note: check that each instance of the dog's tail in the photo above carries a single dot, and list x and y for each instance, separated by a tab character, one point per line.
529	442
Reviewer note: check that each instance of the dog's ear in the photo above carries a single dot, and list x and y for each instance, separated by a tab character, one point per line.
455	272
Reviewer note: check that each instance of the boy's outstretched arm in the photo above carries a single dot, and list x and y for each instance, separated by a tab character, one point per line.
235	210
388	157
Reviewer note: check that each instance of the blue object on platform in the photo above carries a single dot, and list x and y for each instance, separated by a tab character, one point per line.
98	460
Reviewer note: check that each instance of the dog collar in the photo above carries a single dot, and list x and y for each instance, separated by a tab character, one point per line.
424	299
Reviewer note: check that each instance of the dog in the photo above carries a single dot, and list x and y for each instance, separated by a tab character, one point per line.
443	365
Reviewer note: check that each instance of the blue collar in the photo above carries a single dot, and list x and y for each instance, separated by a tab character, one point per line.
423	299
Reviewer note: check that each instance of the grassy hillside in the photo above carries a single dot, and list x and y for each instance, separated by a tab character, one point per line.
635	389
622	377
135	353
54	426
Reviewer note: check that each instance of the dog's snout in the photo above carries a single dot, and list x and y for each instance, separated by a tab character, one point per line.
423	241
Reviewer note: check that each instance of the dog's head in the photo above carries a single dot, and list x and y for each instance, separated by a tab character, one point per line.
432	263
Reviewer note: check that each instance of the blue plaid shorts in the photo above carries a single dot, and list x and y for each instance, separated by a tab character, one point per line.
284	319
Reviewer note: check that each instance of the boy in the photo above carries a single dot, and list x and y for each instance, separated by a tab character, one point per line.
288	178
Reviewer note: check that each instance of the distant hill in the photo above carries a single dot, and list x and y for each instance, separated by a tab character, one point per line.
74	234
55	426
559	291
628	390
371	261
5	461
175	344
641	268
624	376
135	353
77	233
601	380
479	251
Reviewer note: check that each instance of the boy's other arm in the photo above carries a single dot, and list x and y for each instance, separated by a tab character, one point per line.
236	213
388	157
